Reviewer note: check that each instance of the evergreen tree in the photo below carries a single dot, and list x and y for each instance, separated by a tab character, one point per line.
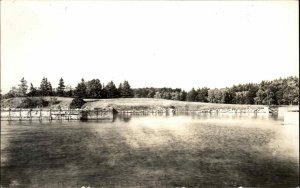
104	93
182	95
32	91
125	90
111	90
80	90
94	89
13	92
279	91
23	88
45	87
120	88
202	94
69	91
49	89
61	88
191	95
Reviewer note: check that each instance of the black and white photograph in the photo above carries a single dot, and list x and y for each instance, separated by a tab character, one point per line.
149	94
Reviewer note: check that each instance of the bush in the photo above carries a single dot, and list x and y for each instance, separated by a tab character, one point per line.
53	101
32	103
77	103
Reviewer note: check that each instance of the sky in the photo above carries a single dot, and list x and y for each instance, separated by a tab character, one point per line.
178	44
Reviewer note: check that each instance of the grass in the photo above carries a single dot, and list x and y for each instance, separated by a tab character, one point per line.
126	104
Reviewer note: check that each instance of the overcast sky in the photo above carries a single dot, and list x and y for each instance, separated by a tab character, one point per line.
149	43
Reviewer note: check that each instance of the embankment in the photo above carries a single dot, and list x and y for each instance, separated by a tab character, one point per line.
147	105
59	107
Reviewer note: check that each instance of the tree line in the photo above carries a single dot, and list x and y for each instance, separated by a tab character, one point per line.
282	91
84	89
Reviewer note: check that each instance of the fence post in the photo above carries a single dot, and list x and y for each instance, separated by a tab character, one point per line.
30	114
50	116
20	116
60	116
9	115
41	114
69	114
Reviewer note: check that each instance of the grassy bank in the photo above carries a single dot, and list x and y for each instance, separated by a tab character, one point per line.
129	104
137	104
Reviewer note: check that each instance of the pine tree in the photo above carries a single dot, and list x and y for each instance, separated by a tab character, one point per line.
191	95
45	87
23	87
80	90
69	91
13	92
111	90
49	89
125	90
202	94
32	91
120	88
61	88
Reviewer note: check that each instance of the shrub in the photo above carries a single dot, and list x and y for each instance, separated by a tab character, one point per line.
32	103
53	101
77	103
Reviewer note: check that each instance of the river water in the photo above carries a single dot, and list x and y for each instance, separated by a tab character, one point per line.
221	150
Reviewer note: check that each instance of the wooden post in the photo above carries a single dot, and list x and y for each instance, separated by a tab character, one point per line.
20	117
30	114
9	115
97	112
41	115
60	114
69	114
50	118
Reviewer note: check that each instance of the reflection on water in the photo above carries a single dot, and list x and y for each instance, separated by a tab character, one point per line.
197	150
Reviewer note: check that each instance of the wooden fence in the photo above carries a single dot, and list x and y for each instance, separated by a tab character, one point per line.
55	114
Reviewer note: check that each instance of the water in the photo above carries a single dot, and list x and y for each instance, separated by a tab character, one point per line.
152	151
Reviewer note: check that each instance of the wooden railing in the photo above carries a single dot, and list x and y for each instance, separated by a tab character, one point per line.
55	114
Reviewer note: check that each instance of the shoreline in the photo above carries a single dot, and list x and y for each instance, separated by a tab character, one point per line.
97	109
19	114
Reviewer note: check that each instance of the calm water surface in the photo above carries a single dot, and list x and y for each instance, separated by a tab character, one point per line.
225	150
